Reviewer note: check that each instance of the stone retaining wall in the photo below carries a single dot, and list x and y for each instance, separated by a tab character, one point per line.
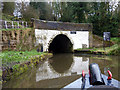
17	40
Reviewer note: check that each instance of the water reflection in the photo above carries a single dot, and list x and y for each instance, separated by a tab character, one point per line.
80	65
62	65
63	69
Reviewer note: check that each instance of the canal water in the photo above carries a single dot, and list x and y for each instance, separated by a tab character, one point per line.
62	69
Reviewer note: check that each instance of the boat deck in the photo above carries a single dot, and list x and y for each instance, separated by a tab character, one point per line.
77	83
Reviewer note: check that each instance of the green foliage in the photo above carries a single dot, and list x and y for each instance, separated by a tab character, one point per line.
44	9
15	70
16	67
14	29
103	19
0	73
9	17
8	7
70	11
17	56
29	13
79	11
100	14
115	51
116	40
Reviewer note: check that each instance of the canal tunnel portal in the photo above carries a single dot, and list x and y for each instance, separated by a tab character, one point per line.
60	44
62	37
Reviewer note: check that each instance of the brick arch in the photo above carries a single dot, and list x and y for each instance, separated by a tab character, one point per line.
55	35
51	39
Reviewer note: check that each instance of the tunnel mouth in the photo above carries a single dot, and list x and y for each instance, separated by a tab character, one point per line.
61	44
62	62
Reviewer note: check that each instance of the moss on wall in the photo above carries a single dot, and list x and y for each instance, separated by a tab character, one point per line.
18	39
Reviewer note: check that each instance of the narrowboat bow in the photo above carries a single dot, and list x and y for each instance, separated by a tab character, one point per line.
94	80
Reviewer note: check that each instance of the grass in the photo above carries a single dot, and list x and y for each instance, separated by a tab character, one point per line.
113	50
15	63
107	49
115	39
83	48
17	56
14	29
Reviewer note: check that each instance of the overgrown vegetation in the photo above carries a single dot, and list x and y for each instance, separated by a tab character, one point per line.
14	63
116	51
116	40
8	8
113	50
108	50
9	57
14	29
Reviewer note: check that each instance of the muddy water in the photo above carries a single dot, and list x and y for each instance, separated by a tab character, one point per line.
62	69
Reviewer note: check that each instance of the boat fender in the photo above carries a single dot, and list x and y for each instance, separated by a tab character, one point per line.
109	80
95	75
109	75
83	74
83	80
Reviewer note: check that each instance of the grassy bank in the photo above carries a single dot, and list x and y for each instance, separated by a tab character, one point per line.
113	50
116	40
17	56
14	63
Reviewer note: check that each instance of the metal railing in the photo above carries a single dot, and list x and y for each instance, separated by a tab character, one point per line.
13	24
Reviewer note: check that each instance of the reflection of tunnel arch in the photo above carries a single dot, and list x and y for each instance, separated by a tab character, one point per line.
61	63
61	43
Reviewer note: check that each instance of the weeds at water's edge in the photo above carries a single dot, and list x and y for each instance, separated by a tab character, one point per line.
15	63
112	50
9	57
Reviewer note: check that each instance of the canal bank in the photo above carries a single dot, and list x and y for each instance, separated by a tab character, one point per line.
15	63
19	53
113	50
108	50
62	69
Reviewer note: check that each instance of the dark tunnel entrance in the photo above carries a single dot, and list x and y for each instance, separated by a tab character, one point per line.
60	44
